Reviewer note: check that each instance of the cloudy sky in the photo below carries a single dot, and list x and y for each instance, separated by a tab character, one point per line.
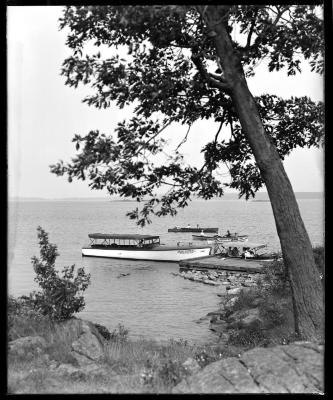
44	114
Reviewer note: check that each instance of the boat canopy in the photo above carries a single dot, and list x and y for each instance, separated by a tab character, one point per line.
121	236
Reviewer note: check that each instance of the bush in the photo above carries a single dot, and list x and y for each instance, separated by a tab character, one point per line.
273	313
120	334
171	372
61	294
247	299
252	336
275	277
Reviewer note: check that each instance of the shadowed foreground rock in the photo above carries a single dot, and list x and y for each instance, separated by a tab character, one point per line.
294	368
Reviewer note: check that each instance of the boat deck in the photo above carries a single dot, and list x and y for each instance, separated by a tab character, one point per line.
217	263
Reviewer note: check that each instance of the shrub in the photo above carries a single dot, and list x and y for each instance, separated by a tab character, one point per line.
203	358
120	334
23	319
273	313
246	299
275	277
61	294
171	372
251	336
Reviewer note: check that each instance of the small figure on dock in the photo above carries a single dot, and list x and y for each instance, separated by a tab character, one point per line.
228	233
198	226
248	254
235	252
188	225
202	233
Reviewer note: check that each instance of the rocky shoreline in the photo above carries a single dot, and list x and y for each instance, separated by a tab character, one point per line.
226	320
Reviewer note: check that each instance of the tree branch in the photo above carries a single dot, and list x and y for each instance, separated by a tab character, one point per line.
154	136
220	127
259	37
211	79
185	138
248	42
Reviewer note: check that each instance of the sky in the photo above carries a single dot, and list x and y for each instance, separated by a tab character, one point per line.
44	114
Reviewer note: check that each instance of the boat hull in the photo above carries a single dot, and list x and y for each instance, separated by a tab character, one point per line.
213	230
164	254
241	238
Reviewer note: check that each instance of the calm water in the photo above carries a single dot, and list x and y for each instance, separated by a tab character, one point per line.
151	301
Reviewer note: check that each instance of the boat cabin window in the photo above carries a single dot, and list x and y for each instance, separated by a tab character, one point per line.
124	241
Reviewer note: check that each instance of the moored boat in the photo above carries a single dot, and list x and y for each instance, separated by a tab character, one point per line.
141	247
193	229
246	250
224	238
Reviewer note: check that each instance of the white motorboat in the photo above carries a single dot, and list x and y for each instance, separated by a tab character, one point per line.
247	250
141	247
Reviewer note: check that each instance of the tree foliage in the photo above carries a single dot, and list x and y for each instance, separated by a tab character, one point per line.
61	293
172	74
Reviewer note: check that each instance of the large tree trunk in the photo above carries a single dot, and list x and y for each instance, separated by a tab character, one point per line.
295	243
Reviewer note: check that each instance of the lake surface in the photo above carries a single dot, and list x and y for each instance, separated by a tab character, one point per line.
151	301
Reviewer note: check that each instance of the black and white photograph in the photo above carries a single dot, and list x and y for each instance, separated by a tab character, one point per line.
166	192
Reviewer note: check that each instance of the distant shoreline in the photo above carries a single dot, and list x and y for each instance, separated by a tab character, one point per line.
261	197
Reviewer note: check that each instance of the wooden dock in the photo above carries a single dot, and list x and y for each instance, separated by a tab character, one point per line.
217	263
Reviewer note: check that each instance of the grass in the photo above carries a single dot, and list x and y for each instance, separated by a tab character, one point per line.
142	366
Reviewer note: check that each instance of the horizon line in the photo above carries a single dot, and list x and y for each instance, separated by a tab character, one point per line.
120	198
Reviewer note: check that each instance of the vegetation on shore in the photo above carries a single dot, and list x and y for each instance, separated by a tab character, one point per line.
272	298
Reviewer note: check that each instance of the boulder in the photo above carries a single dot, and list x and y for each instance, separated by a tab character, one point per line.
244	318
88	347
234	291
27	344
294	368
87	371
218	326
230	303
210	282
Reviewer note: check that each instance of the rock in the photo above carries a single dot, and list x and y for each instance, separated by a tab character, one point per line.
230	303
209	282
218	326
122	274
24	345
88	371
67	369
281	369
244	318
88	346
251	318
103	331
217	313
53	365
191	365
224	337
256	302
234	291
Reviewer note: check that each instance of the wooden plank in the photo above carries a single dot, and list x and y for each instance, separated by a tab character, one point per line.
230	264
